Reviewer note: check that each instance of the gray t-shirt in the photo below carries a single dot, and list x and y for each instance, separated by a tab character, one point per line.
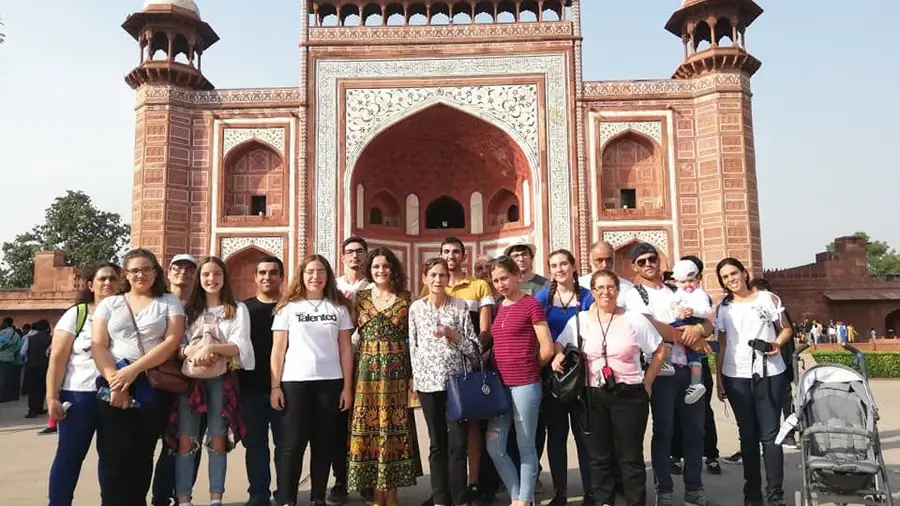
534	285
152	321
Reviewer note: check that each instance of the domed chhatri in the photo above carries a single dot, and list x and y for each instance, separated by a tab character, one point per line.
187	5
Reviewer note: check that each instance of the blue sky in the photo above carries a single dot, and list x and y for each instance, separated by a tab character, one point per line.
825	102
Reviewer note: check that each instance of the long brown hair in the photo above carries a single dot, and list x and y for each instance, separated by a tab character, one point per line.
197	303
297	289
431	262
398	275
159	283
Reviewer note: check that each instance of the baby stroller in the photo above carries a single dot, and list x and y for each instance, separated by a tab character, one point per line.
840	450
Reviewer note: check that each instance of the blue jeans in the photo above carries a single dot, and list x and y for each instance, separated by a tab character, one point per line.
189	425
553	426
667	403
76	431
259	417
526	402
757	410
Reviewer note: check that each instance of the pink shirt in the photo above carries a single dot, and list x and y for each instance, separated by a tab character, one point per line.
515	341
629	334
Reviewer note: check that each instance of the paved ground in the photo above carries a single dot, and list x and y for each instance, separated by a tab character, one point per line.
26	458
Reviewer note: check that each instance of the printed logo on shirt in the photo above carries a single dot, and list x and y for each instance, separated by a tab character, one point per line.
762	313
316	318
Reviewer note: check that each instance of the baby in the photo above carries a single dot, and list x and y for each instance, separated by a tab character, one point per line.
693	307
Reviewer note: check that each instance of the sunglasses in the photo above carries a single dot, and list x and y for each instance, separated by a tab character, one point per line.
641	262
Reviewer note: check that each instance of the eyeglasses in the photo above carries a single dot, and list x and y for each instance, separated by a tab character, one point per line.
139	271
648	260
357	251
313	272
605	288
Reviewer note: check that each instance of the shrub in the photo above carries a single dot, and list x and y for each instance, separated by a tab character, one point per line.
878	364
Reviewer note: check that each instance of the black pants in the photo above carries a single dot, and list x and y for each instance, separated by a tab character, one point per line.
341	448
126	439
36	388
10	381
620	417
447	450
710	438
310	416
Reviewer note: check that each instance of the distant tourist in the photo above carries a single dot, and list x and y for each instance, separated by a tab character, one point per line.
523	254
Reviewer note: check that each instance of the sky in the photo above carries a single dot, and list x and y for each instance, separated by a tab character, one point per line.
825	102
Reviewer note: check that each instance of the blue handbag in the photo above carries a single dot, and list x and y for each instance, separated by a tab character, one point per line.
476	395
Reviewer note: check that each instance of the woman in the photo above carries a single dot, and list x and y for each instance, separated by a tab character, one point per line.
212	311
618	389
561	301
312	372
522	345
751	375
382	455
72	378
127	405
442	343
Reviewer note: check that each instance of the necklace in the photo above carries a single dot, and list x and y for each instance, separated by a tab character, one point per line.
565	304
315	306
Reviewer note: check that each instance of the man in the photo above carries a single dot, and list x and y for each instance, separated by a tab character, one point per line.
523	254
710	436
181	273
603	256
653	298
481	268
256	385
477	294
36	355
10	361
354	251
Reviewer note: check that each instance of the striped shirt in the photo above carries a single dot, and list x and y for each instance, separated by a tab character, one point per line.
515	341
475	293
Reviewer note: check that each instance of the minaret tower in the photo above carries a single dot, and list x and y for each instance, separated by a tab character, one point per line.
172	39
723	25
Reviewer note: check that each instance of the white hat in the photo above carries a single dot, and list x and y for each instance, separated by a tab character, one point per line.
685	270
520	242
183	257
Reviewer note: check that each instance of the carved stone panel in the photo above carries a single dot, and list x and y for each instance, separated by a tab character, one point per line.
619	238
652	129
231	245
271	136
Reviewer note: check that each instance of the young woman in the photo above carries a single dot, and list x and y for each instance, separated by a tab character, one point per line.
442	342
752	378
561	301
522	345
613	341
212	310
312	373
382	454
129	421
72	378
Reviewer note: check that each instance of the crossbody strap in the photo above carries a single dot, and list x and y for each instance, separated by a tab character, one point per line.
137	331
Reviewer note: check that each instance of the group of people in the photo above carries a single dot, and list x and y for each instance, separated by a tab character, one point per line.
148	353
23	363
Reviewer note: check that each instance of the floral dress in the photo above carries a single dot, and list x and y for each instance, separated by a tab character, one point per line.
383	446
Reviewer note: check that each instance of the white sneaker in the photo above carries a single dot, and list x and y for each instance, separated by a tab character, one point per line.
694	393
666	370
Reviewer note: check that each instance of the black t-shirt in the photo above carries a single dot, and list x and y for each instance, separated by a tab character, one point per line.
261	317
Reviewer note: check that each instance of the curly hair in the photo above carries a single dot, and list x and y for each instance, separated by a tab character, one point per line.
398	275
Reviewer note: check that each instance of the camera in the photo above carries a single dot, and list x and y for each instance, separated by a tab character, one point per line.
760	345
609	379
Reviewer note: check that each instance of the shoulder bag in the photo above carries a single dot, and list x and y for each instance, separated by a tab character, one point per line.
166	376
476	394
569	385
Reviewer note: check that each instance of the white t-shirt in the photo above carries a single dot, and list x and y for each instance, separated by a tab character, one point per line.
663	302
742	322
81	372
349	289
698	300
153	322
235	331
624	287
312	332
627	337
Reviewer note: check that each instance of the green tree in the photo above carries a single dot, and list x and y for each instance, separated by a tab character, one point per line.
73	225
880	258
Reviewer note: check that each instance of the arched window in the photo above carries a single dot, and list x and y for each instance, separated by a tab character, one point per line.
512	214
445	212
375	217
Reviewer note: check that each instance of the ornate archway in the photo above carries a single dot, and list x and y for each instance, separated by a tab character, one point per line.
242	271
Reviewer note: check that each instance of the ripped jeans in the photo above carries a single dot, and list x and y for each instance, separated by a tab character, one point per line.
526	402
189	425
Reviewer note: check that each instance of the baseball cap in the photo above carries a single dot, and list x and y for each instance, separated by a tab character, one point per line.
641	248
685	270
183	257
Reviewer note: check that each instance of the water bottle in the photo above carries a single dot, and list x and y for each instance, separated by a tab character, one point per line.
104	395
66	405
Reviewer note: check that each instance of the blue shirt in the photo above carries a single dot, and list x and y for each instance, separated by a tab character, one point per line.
557	317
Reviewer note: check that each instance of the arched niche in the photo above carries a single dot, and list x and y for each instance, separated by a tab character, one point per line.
632	177
445	213
504	209
384	210
702	36
254	182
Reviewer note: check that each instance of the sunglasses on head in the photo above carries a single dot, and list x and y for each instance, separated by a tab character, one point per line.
648	260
